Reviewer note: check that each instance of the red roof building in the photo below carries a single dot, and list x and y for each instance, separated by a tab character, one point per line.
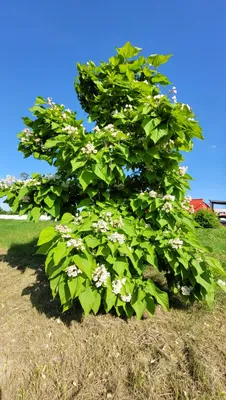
199	204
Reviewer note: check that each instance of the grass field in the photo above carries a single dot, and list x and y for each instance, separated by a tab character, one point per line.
179	355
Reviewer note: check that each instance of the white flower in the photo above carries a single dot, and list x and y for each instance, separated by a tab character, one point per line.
149	96
70	129
185	105
73	271
223	283
185	290
77	243
64	115
62	229
153	194
117	223
183	170
169	197
117	285
146	81
188	199
158	96
128	107
26	199
191	119
174	98
96	129
101	226
50	102
100	275
68	110
176	243
117	237
89	148
167	207
174	90
127	298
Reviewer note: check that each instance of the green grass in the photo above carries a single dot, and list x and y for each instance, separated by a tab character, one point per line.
216	240
15	232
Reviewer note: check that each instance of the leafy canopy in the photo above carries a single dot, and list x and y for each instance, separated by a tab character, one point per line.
119	190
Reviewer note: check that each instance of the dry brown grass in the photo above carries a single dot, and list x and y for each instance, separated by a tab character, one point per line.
175	355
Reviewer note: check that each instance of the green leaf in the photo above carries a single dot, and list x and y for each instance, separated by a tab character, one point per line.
150	304
139	307
40	100
96	301
128	51
85	178
158	59
85	263
77	164
46	235
50	199
160	296
150	124
101	172
215	266
76	286
90	300
120	267
35	213
157	134
67	218
92	241
110	299
60	252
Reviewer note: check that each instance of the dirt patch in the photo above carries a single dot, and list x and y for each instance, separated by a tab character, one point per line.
43	355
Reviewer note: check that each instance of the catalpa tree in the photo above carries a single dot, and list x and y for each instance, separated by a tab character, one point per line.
118	192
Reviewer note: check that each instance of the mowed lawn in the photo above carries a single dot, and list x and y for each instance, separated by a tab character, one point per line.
179	355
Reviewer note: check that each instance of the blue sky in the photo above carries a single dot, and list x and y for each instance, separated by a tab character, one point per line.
40	43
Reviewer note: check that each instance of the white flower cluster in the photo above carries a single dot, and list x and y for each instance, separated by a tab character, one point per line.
127	298
100	275
223	283
117	223
50	102
185	105
77	243
167	207
110	128
153	194
158	96
191	119
128	107
183	170
117	237
27	135
64	230
117	285
89	149
186	204
145	81
77	219
169	197
186	290
176	243
96	129
101	226
106	215
70	129
73	271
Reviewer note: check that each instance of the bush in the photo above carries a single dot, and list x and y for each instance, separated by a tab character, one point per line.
207	219
125	176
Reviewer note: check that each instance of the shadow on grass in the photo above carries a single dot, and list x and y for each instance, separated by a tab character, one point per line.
21	257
